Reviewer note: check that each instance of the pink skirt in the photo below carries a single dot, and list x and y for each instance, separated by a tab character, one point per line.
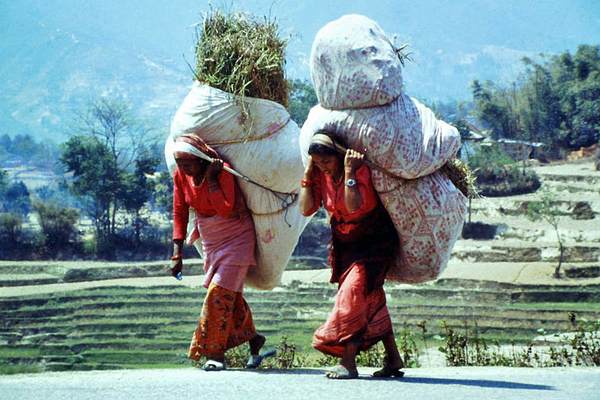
229	249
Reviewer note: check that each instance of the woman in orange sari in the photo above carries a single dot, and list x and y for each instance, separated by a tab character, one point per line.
228	239
362	248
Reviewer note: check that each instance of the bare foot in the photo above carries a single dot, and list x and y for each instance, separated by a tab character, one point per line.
351	367
256	343
217	357
393	362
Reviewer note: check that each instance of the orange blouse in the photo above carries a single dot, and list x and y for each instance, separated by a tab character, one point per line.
206	203
331	195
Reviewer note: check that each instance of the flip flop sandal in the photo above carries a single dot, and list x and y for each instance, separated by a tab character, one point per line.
341	372
213	365
255	361
388	372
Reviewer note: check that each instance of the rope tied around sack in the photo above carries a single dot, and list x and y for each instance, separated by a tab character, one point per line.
286	199
250	138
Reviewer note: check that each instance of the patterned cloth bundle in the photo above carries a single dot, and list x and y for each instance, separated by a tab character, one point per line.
357	76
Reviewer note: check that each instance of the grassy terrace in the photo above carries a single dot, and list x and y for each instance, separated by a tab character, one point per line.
133	327
23	273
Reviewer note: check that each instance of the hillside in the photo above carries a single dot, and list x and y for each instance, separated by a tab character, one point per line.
58	55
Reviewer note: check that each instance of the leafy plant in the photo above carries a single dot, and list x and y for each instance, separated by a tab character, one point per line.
546	209
58	225
498	175
468	349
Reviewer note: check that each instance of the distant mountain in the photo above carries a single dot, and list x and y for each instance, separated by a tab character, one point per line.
53	74
57	55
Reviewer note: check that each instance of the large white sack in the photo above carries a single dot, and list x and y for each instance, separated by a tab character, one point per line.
354	65
397	133
263	148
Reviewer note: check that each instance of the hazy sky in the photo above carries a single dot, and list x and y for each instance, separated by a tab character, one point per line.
167	26
452	41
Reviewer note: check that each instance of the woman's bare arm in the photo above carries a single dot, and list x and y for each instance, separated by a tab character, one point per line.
352	198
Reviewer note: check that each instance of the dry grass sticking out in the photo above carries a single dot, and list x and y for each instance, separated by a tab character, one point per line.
461	175
242	55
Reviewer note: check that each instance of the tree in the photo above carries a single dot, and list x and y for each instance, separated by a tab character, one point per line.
556	101
109	161
11	233
96	180
546	209
16	199
302	99
163	193
539	105
58	226
496	107
110	120
3	183
138	188
463	128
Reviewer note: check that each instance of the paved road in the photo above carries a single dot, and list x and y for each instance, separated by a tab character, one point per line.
182	384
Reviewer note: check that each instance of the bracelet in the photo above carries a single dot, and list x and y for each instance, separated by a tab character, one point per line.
176	257
306	183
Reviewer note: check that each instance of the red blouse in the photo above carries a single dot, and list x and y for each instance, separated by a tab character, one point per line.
331	196
206	203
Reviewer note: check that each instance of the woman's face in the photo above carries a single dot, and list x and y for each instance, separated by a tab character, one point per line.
328	164
191	166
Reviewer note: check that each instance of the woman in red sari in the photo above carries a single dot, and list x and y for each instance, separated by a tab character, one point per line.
228	239
361	250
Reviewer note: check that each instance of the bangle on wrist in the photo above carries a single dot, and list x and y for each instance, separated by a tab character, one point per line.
176	257
306	183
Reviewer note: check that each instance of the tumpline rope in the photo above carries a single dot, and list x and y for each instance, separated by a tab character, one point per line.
287	199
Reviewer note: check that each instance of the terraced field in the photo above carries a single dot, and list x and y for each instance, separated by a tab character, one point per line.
133	327
74	315
523	244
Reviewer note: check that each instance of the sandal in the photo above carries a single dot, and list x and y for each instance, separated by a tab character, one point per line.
388	372
255	361
213	365
341	372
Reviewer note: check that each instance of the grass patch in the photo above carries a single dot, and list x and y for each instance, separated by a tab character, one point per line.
20	351
20	369
574	307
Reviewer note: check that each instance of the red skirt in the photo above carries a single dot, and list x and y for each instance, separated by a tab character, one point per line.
358	315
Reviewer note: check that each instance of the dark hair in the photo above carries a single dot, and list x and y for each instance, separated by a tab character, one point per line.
316	148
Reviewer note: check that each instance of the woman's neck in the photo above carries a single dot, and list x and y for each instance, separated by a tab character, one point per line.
198	180
337	178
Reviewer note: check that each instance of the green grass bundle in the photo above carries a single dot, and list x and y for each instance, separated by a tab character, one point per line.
242	56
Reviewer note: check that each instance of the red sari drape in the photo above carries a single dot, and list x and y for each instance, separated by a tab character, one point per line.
361	251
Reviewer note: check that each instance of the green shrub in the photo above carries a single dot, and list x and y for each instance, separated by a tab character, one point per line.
59	228
499	175
467	348
15	242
